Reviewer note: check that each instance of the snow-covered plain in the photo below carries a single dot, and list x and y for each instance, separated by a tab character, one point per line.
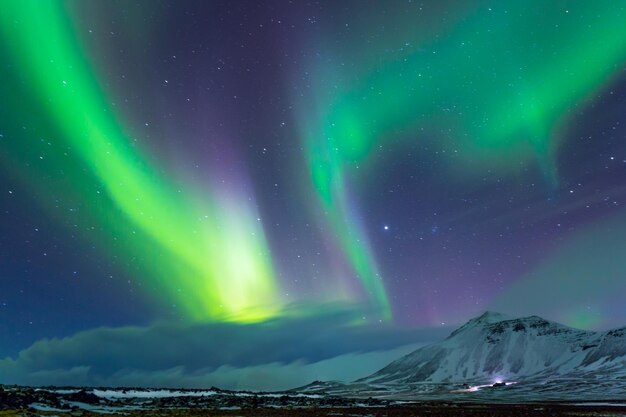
157	393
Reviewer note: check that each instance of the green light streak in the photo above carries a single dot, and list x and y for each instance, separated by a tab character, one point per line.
511	78
210	257
330	184
502	81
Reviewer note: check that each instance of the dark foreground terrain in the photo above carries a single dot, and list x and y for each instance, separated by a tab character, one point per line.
86	402
430	410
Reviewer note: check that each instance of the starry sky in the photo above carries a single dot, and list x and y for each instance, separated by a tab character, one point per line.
362	169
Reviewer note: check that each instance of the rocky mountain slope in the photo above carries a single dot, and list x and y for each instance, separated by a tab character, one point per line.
497	358
493	347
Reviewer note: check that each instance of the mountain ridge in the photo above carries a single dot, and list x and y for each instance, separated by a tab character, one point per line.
526	358
493	346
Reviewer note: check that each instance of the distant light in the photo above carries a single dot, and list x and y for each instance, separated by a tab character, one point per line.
386	227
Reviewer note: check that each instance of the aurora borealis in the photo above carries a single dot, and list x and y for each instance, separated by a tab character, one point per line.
535	86
243	163
221	231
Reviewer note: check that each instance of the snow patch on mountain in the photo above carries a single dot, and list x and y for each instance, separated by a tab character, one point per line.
495	347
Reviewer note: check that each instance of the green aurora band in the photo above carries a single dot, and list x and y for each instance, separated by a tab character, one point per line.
206	254
500	82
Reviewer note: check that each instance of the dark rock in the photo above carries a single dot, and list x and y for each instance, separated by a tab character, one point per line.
82	396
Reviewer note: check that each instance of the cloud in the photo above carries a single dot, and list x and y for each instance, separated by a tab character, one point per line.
267	377
277	354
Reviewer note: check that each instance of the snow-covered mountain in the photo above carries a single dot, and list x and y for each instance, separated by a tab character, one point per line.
494	347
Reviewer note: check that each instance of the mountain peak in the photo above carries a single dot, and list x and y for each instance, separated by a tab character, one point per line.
490	317
494	345
485	319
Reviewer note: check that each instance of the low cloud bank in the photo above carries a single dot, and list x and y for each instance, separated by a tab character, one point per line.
278	354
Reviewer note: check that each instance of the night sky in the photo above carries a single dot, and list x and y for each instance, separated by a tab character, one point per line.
261	172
